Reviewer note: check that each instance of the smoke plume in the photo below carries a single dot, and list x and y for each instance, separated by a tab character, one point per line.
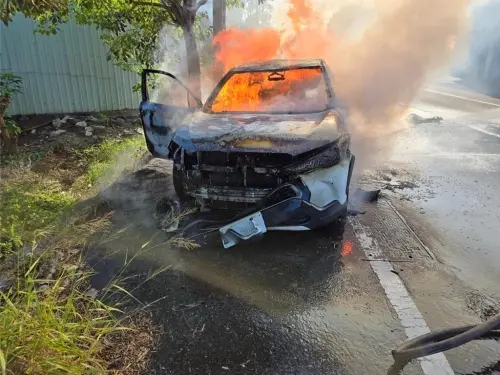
381	53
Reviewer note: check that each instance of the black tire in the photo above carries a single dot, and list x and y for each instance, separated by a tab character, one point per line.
178	180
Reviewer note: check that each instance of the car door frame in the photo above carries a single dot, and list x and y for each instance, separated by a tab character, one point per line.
157	132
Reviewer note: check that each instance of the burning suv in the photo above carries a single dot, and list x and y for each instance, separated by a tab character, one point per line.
270	140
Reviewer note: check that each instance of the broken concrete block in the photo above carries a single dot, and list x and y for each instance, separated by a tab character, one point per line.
89	131
92	119
71	120
55	133
57	123
81	124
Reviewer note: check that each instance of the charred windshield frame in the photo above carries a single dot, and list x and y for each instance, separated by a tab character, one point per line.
207	108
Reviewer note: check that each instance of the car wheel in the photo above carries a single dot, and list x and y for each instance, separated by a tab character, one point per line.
178	180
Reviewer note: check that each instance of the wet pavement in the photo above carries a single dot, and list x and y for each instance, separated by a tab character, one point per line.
457	201
328	302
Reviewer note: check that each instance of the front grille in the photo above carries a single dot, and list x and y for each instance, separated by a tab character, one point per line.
227	193
256	159
240	179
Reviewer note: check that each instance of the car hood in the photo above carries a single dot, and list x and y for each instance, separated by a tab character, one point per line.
250	132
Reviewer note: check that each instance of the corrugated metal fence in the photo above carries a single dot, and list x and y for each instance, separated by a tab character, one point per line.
63	73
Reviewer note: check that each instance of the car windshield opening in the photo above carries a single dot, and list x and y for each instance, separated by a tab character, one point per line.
286	91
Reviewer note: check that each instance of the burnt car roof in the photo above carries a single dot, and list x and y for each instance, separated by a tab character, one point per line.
279	64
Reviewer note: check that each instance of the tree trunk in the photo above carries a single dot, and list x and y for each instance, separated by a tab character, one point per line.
9	143
219	16
193	60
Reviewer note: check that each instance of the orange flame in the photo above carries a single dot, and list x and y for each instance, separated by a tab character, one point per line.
309	40
252	91
300	13
235	47
346	248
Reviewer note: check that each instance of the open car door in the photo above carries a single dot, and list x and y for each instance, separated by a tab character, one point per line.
166	102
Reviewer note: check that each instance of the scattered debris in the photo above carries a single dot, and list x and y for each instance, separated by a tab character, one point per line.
70	120
366	195
354	212
129	351
415	119
55	133
128	132
139	131
33	131
92	119
81	124
168	211
89	131
57	123
91	293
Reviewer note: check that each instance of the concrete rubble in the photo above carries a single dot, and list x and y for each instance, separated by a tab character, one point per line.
81	124
55	133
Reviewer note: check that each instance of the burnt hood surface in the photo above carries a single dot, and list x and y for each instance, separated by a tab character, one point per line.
281	133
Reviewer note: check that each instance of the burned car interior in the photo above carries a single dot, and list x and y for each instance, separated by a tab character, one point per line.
270	140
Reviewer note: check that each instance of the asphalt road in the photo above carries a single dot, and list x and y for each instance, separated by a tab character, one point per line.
424	257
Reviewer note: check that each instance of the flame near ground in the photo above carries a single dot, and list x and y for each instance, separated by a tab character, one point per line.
378	72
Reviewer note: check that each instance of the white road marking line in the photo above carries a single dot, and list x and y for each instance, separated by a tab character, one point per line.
462	97
397	294
484	131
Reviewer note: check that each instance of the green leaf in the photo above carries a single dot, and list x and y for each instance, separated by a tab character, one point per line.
3	363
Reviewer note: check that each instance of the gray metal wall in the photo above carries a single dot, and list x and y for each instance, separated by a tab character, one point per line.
63	73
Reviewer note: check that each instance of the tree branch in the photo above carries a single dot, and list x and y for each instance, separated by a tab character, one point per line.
199	4
175	10
145	3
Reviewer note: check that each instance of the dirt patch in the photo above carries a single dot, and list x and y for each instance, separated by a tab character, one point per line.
129	352
44	132
481	306
401	183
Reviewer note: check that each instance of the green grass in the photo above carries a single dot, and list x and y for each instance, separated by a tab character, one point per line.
48	323
53	330
29	204
110	158
31	200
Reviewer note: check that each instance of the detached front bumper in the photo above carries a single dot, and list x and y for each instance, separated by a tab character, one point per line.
314	200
